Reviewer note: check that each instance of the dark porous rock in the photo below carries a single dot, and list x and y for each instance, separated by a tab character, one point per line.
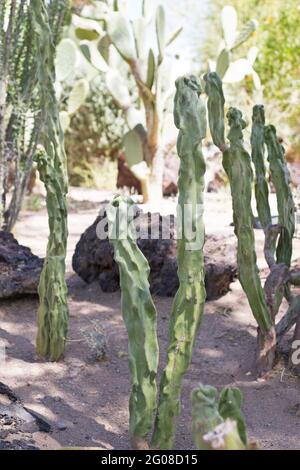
93	258
19	269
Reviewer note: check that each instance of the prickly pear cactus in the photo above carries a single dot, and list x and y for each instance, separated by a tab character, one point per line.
286	208
258	158
139	315
230	403
51	161
187	310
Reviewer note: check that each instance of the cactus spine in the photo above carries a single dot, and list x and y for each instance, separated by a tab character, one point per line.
187	310
139	315
51	161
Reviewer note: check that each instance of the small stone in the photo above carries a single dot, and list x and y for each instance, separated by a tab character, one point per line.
61	426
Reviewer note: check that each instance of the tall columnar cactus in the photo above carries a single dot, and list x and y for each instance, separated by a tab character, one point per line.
19	99
258	157
139	314
51	161
217	421
285	204
237	165
187	310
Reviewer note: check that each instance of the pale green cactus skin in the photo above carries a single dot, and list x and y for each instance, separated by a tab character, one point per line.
258	158
215	106
140	317
230	403
237	164
187	310
205	413
53	309
218	422
286	208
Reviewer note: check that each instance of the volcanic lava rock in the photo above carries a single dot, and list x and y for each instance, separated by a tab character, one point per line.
19	269
93	258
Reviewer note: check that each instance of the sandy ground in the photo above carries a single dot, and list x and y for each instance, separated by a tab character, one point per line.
86	401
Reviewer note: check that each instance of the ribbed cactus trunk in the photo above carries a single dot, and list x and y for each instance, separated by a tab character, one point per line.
51	161
140	318
187	310
237	165
285	204
258	158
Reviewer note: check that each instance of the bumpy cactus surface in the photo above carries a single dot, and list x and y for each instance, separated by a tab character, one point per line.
205	413
237	164
190	119
139	315
51	161
230	403
218	422
286	208
258	157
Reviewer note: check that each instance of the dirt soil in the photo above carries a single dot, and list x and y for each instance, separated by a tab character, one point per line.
85	400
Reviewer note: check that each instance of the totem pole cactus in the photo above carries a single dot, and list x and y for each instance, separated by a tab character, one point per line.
258	158
51	161
137	306
19	100
237	164
285	204
218	422
187	310
264	302
139	315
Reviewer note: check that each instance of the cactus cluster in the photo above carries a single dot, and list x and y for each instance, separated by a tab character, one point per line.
137	306
51	162
264	300
19	99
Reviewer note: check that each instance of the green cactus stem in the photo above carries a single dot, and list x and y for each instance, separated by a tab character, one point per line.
139	315
237	164
215	105
218	423
205	414
51	161
230	403
224	437
187	310
286	208
258	158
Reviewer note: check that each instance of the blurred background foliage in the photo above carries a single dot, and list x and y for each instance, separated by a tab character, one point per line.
277	63
96	128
